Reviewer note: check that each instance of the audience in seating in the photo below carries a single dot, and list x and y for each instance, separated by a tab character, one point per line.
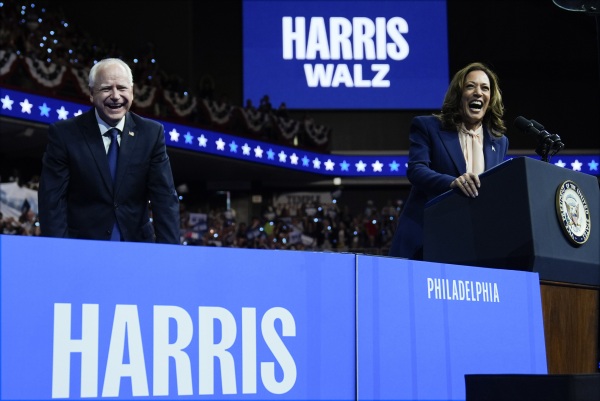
314	227
331	226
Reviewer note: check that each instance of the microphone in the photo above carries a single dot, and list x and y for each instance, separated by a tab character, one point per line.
552	139
528	126
548	143
537	125
544	135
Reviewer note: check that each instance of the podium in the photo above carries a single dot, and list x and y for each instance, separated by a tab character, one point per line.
515	224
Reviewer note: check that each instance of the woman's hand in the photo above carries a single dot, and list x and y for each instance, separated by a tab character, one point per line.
468	183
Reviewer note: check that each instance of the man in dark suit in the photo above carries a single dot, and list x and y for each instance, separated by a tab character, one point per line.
79	197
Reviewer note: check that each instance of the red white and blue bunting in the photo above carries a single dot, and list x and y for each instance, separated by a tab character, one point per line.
183	105
7	62
144	96
49	75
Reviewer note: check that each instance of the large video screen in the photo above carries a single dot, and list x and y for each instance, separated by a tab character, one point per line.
341	55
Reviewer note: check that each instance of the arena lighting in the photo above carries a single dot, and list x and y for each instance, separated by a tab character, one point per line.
46	110
585	6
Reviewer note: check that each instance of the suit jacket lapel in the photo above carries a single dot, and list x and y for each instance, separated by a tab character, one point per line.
91	133
129	138
452	144
490	150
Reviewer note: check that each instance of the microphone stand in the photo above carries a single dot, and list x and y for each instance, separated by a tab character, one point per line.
544	146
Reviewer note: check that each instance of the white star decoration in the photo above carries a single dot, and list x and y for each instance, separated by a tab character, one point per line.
329	165
317	163
62	113
26	106
174	135
258	152
7	102
377	166
202	141
220	144
294	159
246	149
282	156
360	166
576	165
560	163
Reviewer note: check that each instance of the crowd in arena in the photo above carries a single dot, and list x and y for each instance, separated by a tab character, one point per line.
313	226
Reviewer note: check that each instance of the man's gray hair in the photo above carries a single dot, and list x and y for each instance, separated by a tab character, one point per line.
103	63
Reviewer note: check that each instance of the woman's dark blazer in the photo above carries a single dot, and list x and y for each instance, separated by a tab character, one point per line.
435	160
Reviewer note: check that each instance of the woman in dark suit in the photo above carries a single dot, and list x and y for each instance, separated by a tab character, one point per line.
450	149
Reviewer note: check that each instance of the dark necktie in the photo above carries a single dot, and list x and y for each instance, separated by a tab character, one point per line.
113	151
113	158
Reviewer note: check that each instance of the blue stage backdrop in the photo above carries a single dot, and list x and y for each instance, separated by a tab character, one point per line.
346	54
106	320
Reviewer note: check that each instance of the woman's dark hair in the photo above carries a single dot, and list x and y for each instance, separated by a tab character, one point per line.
450	113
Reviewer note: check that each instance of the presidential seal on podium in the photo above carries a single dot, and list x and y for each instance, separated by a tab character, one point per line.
573	212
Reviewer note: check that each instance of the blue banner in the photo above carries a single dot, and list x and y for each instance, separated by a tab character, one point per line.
106	320
88	319
346	54
47	110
